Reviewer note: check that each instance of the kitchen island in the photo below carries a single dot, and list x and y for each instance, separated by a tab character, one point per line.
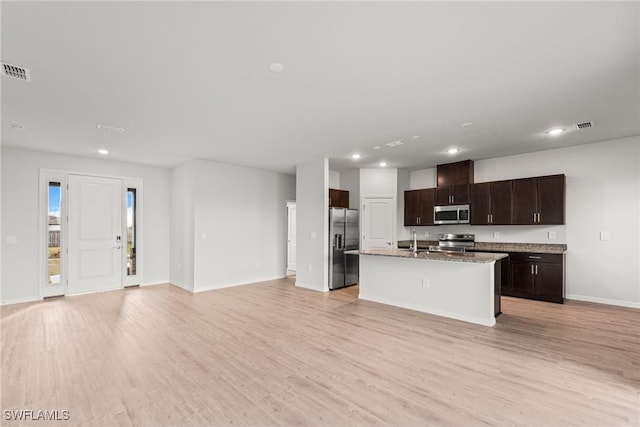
463	286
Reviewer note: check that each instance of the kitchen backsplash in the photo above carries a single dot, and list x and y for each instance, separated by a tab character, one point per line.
506	233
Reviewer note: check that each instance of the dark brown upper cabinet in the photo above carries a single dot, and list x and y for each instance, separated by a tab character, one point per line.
539	200
453	195
491	203
418	207
453	181
455	173
338	198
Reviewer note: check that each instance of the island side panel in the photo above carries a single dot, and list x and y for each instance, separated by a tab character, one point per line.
458	290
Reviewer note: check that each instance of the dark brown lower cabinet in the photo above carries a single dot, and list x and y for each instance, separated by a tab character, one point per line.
533	275
536	276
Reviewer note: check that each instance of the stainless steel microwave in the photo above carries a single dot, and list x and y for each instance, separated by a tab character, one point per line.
455	214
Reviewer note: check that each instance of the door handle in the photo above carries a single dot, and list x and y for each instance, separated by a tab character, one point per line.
116	247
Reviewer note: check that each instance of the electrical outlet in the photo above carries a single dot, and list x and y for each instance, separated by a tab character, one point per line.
426	283
426	235
309	267
604	235
179	267
313	234
496	234
552	235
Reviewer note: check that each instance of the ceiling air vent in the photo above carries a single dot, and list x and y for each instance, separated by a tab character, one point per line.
110	129
584	125
16	72
394	143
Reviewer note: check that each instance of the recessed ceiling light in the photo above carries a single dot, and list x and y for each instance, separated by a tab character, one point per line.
103	151
383	164
276	67
415	137
377	147
452	150
556	131
17	127
467	124
355	156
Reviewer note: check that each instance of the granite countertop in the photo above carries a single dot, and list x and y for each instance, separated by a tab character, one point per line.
479	257
541	248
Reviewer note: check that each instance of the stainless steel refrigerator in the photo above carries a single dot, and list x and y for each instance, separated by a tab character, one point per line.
343	236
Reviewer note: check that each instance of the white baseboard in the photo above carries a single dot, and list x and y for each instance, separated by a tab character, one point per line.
429	310
313	288
232	284
155	283
20	300
619	303
178	285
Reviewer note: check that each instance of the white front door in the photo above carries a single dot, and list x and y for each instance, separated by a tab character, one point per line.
95	234
378	222
291	237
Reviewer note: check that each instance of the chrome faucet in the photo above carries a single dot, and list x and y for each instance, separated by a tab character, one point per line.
415	241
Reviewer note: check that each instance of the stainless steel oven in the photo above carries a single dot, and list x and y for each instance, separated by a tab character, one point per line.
455	214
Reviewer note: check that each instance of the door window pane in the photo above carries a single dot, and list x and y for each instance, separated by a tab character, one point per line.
131	232
54	225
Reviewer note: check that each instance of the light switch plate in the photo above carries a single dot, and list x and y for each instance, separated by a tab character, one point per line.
12	240
313	234
604	235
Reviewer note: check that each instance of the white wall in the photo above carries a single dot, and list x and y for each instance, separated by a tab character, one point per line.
183	193
240	224
350	181
602	188
312	216
20	215
378	182
334	180
402	232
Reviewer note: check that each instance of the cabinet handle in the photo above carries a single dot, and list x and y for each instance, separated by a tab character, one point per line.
538	217
489	219
453	199
418	220
535	257
534	217
536	269
532	269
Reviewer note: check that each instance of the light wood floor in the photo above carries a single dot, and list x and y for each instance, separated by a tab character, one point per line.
273	354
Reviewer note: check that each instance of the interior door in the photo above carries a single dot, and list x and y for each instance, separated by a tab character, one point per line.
291	239
378	222
95	227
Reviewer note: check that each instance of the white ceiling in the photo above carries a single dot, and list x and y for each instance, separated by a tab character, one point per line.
192	80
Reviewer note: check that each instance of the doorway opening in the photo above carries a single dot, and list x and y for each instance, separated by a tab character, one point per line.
90	233
291	239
